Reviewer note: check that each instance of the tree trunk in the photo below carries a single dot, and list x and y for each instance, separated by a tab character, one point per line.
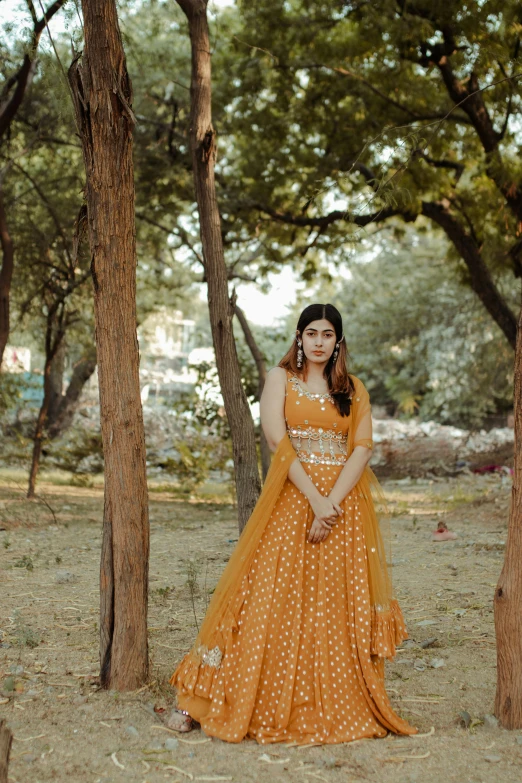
54	335
508	593
6	739
63	416
102	100
56	379
39	430
221	308
261	375
6	275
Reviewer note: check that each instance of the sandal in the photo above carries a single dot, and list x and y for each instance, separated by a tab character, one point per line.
180	720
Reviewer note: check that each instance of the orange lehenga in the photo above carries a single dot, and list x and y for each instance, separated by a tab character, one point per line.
293	643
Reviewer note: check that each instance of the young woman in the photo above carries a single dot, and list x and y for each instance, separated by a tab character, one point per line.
293	643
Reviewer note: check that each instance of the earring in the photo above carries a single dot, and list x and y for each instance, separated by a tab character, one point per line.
336	352
299	354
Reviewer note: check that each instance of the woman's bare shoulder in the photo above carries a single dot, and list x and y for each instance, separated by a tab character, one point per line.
277	372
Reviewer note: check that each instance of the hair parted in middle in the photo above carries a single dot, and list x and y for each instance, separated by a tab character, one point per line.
340	383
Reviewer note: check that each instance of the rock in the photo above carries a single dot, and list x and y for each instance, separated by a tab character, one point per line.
9	684
428	642
490	721
493	759
32	693
79	699
171	743
61	577
436	663
423	623
29	758
518	739
156	744
132	731
419	665
14	669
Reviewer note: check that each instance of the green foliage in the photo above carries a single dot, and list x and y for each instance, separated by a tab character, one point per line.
419	337
25	562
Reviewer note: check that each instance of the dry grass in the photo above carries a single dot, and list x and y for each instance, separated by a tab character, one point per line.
67	730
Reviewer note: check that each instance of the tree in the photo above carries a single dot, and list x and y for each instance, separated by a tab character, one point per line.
102	94
351	115
221	306
508	592
13	93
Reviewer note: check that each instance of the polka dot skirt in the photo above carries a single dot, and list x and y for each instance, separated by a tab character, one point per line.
297	666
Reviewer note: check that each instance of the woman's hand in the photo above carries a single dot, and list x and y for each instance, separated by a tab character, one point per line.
319	531
325	510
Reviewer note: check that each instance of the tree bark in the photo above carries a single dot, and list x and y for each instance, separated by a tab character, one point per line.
56	378
221	308
261	375
6	275
6	738
102	94
62	417
508	593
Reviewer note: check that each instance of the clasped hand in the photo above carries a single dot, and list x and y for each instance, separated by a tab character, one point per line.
326	516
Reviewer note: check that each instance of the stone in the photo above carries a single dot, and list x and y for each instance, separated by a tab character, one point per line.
493	759
132	731
9	684
171	743
62	577
490	721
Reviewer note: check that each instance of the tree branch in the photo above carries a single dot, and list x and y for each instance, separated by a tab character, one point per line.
25	73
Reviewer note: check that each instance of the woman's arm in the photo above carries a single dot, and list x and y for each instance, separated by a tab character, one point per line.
350	474
272	410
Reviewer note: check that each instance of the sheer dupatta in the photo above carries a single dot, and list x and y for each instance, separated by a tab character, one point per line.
388	626
223	611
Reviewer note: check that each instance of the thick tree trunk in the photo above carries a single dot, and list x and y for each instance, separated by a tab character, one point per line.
261	376
103	98
6	739
61	418
221	309
508	593
6	275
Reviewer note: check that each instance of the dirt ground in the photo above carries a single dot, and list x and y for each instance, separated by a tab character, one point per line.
66	729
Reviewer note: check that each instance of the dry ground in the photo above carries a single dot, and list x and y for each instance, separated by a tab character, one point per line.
67	730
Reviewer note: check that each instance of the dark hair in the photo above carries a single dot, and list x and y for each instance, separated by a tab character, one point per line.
340	383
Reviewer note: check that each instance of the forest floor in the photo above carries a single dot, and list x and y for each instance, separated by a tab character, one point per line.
66	729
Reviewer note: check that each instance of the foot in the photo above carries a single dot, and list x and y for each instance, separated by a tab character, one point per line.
179	720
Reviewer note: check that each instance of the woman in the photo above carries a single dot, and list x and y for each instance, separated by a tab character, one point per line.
293	644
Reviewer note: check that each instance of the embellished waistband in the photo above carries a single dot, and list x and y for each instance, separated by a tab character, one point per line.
318	459
326	440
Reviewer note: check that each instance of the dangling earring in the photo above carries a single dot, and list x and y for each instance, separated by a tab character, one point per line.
336	352
299	353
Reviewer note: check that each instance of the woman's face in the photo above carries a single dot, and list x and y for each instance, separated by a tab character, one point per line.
318	341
